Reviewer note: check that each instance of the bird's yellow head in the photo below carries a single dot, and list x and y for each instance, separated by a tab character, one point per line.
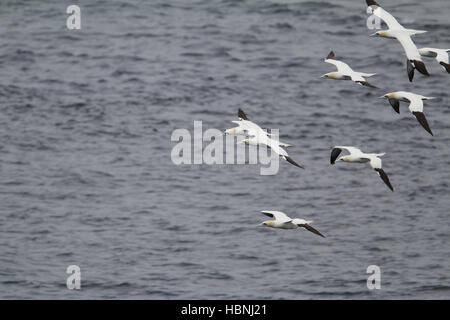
268	223
382	33
331	75
230	131
345	158
390	95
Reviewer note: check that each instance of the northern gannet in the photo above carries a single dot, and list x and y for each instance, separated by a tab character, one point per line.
282	221
415	105
344	72
249	128
403	35
441	56
357	156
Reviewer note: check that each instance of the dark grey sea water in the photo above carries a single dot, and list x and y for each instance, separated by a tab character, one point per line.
86	176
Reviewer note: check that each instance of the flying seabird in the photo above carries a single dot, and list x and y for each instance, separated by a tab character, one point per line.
357	156
282	221
403	35
249	128
415	105
344	72
441	56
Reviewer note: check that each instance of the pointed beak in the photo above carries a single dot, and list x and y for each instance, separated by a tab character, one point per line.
323	76
373	35
382	97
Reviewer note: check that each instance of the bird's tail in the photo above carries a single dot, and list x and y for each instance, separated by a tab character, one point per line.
367	75
413	31
309	221
285	145
380	154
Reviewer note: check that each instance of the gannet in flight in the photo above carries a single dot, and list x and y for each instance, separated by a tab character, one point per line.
344	72
441	56
415	105
357	156
249	128
403	35
282	221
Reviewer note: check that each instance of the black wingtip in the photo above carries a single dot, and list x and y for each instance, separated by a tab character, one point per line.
395	104
385	178
242	115
291	161
330	55
423	121
445	65
334	154
270	215
420	66
410	70
372	3
365	83
313	230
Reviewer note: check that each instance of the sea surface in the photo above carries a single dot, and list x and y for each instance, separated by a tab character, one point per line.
86	176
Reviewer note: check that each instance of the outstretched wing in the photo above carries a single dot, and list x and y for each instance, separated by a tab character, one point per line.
352	150
441	55
378	11
415	103
291	161
412	53
364	83
420	116
341	66
277	215
311	229
395	104
375	162
416	107
384	177
335	154
242	115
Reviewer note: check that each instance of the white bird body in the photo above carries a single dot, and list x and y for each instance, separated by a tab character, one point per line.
403	35
282	221
357	156
256	136
248	128
344	72
415	105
